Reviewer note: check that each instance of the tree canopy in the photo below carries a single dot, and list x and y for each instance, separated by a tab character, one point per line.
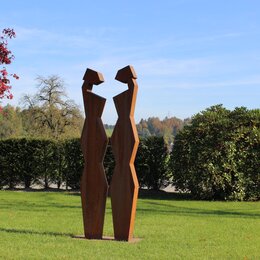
6	58
49	112
217	155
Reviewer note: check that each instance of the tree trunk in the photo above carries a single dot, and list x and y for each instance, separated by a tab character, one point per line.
46	182
27	183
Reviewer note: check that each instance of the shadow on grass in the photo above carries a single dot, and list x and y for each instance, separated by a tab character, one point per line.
153	202
163	195
143	193
40	190
159	205
32	206
32	232
150	194
163	208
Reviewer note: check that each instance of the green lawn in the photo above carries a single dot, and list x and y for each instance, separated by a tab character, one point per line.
38	225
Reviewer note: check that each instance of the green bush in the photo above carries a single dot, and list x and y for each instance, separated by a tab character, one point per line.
152	163
217	155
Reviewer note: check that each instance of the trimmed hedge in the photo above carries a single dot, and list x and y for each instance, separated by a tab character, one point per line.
32	161
152	163
45	162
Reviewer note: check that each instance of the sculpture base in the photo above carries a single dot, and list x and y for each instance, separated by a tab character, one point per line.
107	238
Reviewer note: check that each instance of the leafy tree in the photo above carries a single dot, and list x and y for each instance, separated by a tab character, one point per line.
10	122
246	134
6	58
215	157
49	113
153	126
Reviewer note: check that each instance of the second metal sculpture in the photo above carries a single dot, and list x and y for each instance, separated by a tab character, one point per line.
124	184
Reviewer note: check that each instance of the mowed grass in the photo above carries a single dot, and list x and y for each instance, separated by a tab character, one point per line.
40	225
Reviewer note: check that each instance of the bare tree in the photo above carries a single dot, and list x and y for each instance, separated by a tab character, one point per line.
50	108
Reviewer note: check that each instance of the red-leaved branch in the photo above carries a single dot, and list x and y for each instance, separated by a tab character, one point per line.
6	57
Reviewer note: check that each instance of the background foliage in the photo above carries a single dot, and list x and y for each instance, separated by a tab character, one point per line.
35	120
44	162
217	155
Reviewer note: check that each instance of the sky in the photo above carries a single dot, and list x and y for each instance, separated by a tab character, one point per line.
188	54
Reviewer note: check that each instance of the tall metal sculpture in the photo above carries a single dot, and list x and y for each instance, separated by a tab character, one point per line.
124	184
94	141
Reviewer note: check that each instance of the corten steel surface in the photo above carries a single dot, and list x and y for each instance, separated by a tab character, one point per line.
124	184
93	185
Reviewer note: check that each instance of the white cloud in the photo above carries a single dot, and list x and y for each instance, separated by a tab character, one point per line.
174	67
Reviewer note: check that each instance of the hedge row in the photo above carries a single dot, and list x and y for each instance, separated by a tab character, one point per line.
45	162
33	161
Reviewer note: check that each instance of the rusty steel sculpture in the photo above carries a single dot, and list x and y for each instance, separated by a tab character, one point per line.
124	140
94	141
124	185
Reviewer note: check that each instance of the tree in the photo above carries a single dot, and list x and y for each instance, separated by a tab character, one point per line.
153	126
10	122
217	155
6	58
49	113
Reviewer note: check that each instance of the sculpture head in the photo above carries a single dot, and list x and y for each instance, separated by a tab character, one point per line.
125	74
91	78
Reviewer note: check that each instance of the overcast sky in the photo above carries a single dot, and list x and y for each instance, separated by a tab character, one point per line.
188	54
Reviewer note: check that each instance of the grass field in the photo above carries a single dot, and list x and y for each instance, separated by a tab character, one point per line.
40	225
